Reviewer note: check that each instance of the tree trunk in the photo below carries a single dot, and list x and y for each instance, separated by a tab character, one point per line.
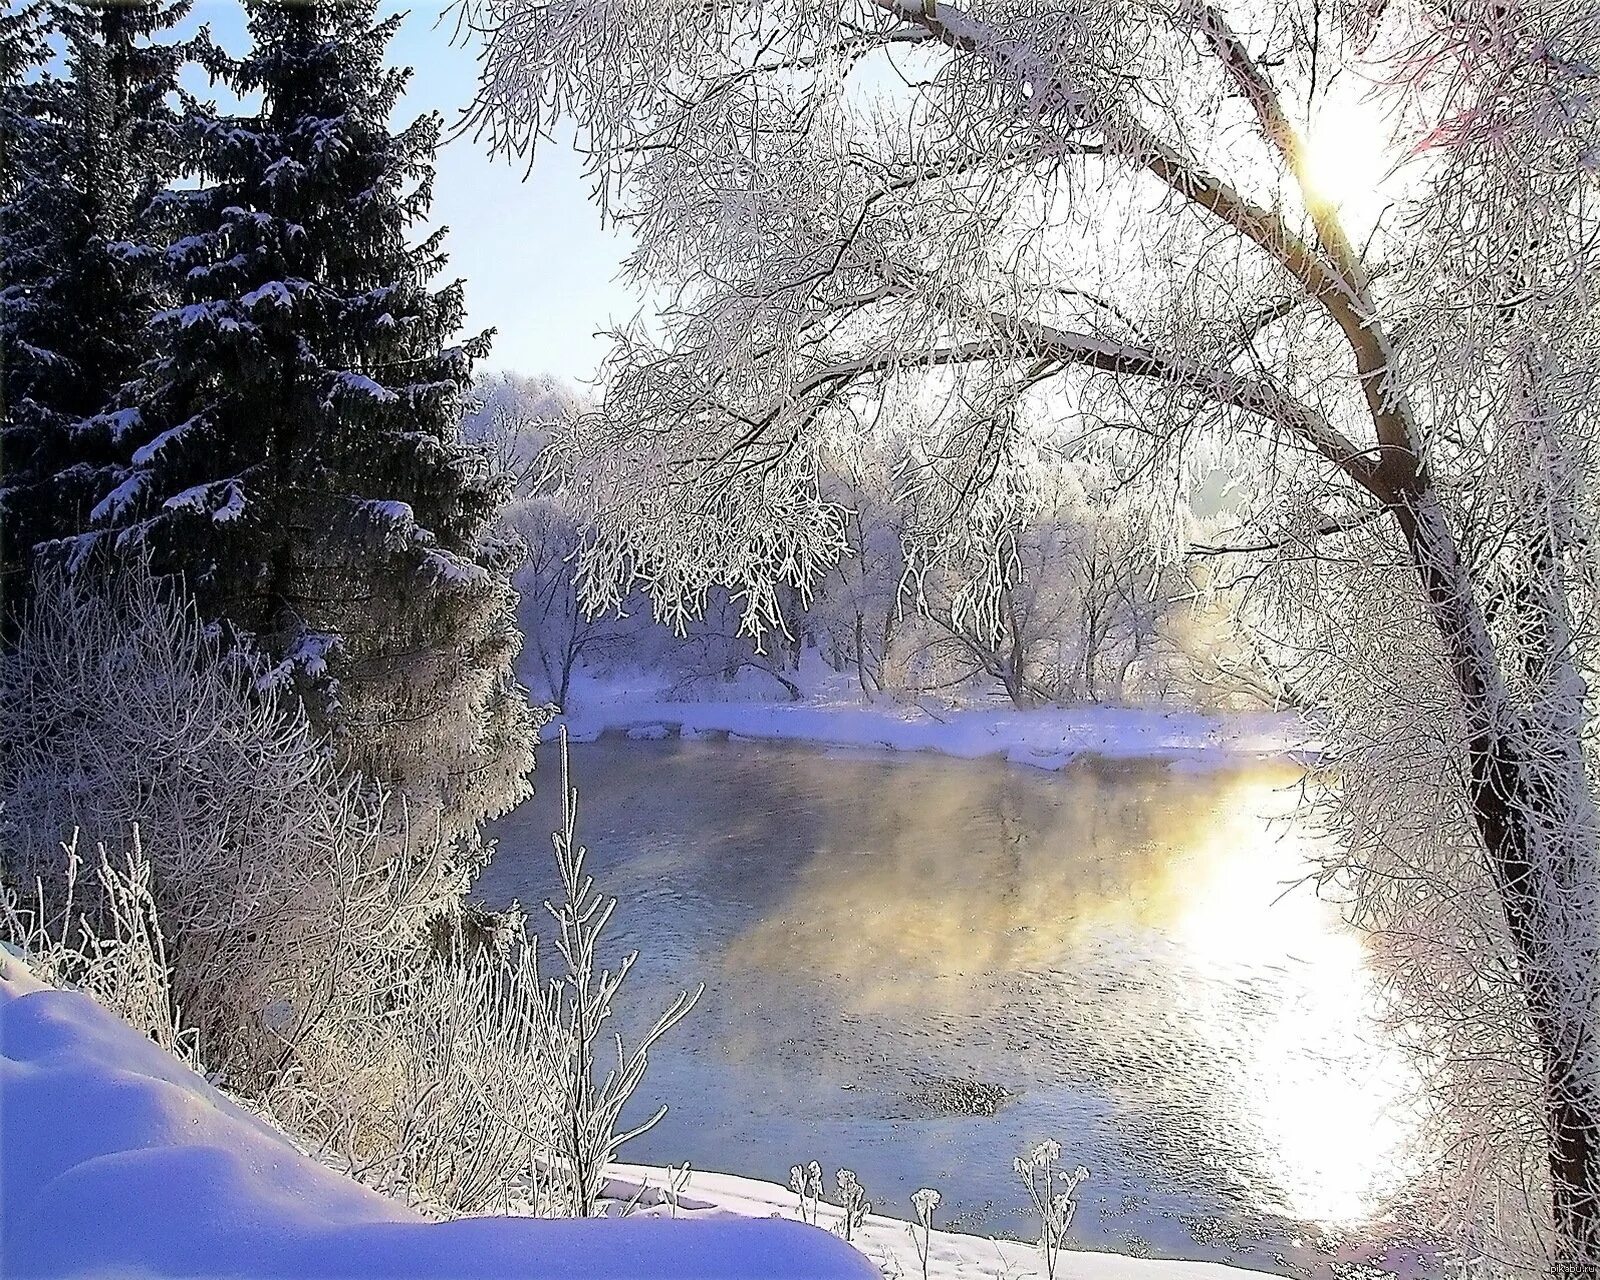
569	661
1533	811
861	654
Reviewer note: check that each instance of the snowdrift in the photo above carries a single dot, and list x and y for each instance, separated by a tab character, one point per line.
115	1159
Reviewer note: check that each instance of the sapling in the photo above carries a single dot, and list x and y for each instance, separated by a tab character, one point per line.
588	1139
853	1201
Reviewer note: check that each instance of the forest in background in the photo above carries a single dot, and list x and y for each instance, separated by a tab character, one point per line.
1109	595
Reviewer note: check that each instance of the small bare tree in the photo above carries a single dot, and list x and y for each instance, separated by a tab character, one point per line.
588	1137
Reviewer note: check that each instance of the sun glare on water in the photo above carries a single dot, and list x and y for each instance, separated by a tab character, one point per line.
1329	1100
1159	940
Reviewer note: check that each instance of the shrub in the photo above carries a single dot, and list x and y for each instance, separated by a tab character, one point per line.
267	915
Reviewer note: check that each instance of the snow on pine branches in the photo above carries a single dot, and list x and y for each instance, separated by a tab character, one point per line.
296	453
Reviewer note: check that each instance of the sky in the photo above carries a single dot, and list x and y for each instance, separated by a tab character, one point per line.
539	268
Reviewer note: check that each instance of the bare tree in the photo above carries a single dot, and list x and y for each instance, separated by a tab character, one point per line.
860	606
515	418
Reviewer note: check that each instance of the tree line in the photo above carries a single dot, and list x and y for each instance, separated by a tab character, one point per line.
1096	602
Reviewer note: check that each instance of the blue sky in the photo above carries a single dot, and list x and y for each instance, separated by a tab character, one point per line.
539	267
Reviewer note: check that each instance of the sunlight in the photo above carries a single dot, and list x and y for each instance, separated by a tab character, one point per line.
1252	993
1328	1099
1349	157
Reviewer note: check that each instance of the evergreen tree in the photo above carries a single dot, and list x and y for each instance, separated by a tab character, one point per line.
89	149
30	163
299	457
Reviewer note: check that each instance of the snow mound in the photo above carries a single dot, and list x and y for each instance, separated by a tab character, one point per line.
115	1159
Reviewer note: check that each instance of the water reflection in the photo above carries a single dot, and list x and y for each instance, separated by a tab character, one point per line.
1119	954
909	909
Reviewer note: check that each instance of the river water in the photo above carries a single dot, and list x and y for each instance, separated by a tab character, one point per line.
918	967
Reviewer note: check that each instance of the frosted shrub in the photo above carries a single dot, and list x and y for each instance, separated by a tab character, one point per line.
284	902
1051	1189
852	1202
807	1184
450	1098
278	902
121	964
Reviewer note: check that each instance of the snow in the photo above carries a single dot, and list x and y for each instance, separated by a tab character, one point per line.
1041	737
353	383
385	509
146	453
197	497
274	291
232	508
113	504
215	311
452	570
117	1159
887	1241
121	421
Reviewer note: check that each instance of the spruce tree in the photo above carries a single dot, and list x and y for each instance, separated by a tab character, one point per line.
299	458
89	148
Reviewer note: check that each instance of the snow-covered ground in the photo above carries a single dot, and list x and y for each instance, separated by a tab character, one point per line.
1044	737
889	1242
116	1159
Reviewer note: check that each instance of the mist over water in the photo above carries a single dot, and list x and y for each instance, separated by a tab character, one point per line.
918	967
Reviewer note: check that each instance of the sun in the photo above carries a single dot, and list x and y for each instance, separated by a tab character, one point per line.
1349	155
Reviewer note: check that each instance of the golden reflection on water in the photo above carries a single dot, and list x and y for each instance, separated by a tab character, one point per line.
1153	912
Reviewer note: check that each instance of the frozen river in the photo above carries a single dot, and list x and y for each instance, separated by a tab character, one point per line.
918	967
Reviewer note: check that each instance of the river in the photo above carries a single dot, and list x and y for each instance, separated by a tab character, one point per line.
918	967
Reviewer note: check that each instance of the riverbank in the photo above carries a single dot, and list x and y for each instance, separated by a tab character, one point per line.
888	1241
1043	737
117	1158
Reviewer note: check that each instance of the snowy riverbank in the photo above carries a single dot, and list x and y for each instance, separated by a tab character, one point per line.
888	1241
116	1158
1042	737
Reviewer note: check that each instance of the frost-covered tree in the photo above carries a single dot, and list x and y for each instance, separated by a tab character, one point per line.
252	908
90	141
513	417
269	864
294	449
860	607
1052	582
1159	224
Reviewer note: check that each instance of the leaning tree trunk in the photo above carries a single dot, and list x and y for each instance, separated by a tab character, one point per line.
1530	800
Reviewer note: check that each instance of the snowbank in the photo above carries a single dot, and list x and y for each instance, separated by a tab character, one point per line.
1044	737
115	1159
